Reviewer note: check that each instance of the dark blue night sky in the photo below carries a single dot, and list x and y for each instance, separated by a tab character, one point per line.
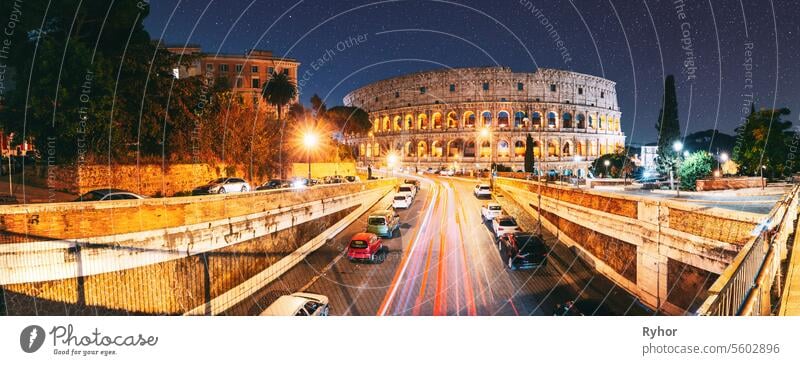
633	42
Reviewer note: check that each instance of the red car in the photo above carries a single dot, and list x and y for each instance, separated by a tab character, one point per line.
365	247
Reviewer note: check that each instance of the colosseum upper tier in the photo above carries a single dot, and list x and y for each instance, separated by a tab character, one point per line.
469	118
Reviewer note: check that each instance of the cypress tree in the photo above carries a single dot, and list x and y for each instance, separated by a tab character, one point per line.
530	160
668	127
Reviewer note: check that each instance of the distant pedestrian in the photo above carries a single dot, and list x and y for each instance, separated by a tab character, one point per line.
369	172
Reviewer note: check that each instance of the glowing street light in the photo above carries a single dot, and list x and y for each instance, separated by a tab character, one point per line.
392	160
606	163
310	141
677	146
723	157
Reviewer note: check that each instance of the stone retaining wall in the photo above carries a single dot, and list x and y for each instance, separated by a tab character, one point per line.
730	183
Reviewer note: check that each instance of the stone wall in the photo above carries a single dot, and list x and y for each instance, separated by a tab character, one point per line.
322	169
730	183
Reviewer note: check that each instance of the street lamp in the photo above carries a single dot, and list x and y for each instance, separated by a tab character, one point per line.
606	163
678	147
723	158
761	172
391	161
310	140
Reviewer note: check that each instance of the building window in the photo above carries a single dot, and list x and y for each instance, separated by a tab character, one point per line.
223	68
270	70
238	82
256	83
254	69
602	94
238	68
452	88
286	71
376	98
520	87
396	94
580	91
485	86
255	99
553	87
210	67
422	90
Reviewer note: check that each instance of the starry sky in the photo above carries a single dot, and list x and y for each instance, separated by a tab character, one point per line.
719	50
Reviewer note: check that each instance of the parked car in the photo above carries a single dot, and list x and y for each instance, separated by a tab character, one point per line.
522	250
275	184
352	178
491	210
300	182
223	185
401	201
108	194
366	247
447	172
299	304
503	224
383	223
414	182
407	189
335	179
482	190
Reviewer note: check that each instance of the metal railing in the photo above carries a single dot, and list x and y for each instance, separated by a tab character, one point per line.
746	286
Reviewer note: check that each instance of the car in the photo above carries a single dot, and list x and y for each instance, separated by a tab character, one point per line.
366	247
568	308
335	179
299	304
491	210
503	224
223	185
482	190
407	189
301	182
401	200
447	173
414	182
108	194
275	184
383	223
522	250
352	178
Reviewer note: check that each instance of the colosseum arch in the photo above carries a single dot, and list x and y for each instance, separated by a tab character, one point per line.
422	121
409	122
552	148
579	149
566	151
409	150
581	119
593	148
376	125
551	120
592	121
455	148
385	126
537	119
486	149
436	149
502	119
422	149
437	120
362	150
519	148
537	149
469	120
377	150
369	150
519	119
503	148
566	120
469	149
602	122
486	119
452	120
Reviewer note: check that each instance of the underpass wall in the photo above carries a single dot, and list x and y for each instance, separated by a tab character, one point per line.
172	268
666	253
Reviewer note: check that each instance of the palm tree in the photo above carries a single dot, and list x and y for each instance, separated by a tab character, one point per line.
279	91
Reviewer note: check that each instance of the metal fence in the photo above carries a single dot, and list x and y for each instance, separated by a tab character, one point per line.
746	287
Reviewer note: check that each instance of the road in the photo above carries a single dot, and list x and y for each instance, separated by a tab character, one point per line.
446	262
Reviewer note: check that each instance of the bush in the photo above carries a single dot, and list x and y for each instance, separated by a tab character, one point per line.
696	166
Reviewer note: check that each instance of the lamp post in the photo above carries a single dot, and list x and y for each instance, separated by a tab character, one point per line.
391	161
310	141
761	175
678	147
606	163
723	158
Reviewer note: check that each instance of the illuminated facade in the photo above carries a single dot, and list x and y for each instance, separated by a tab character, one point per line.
466	119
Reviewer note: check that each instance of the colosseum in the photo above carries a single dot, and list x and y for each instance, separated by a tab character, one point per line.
469	118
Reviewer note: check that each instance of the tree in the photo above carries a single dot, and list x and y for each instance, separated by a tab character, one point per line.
618	164
530	160
279	91
765	139
318	107
349	119
668	128
696	166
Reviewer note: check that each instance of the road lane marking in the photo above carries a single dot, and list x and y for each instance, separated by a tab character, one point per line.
390	296
468	290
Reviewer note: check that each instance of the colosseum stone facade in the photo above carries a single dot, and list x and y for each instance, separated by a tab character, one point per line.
469	118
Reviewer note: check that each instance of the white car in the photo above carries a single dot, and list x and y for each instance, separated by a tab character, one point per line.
401	201
503	224
490	211
299	304
223	185
408	189
447	173
482	190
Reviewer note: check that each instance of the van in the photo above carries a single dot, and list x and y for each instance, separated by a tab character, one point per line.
383	223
